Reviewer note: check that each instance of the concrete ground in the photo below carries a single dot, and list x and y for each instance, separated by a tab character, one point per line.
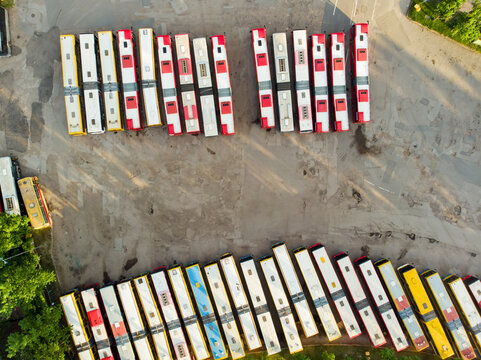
407	186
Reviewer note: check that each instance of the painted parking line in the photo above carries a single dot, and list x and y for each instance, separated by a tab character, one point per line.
335	7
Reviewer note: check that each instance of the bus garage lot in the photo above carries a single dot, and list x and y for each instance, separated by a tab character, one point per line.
406	187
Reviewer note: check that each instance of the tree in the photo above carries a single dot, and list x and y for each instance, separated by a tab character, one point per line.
15	235
7	4
41	336
387	354
327	356
447	8
468	25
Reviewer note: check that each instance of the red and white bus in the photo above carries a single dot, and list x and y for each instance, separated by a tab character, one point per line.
338	82
360	73
224	90
129	79
321	92
301	67
186	80
263	73
169	89
360	300
474	285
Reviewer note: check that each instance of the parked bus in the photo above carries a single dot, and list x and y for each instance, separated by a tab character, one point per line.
263	74
224	310
401	302
186	80
187	312
134	319
211	326
34	202
360	73
426	311
383	305
206	92
129	79
110	84
474	285
335	290
117	323
71	86
159	280
283	82
321	93
317	293
152	315
360	300
224	89
78	326
148	78
281	303
303	91
338	82
8	188
259	301
467	308
169	89
97	325
240	301
295	289
90	83
445	306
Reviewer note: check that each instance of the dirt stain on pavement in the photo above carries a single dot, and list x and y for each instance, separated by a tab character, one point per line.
130	263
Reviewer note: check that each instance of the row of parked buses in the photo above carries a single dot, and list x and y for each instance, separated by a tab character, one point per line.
11	182
194	312
327	76
93	102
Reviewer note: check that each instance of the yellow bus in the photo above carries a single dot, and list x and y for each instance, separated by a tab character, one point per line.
78	326
426	311
34	202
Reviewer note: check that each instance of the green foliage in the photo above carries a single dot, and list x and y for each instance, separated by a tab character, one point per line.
15	235
468	25
301	356
7	4
327	356
447	8
41	336
387	354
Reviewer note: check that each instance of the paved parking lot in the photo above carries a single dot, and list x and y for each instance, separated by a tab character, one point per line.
406	186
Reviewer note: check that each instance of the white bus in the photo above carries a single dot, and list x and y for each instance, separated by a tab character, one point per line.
317	293
295	289
451	318
90	83
204	80
224	89
474	285
8	187
259	301
321	92
169	90
78	326
148	78
129	79
301	66
110	85
117	323
134	319
71	86
467	308
240	301
401	302
335	289
154	320
187	312
338	82
186	80
360	300
97	324
383	305
282	304
360	73
171	317
263	73
283	81
224	310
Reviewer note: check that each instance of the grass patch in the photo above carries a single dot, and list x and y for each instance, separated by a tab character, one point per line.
428	18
